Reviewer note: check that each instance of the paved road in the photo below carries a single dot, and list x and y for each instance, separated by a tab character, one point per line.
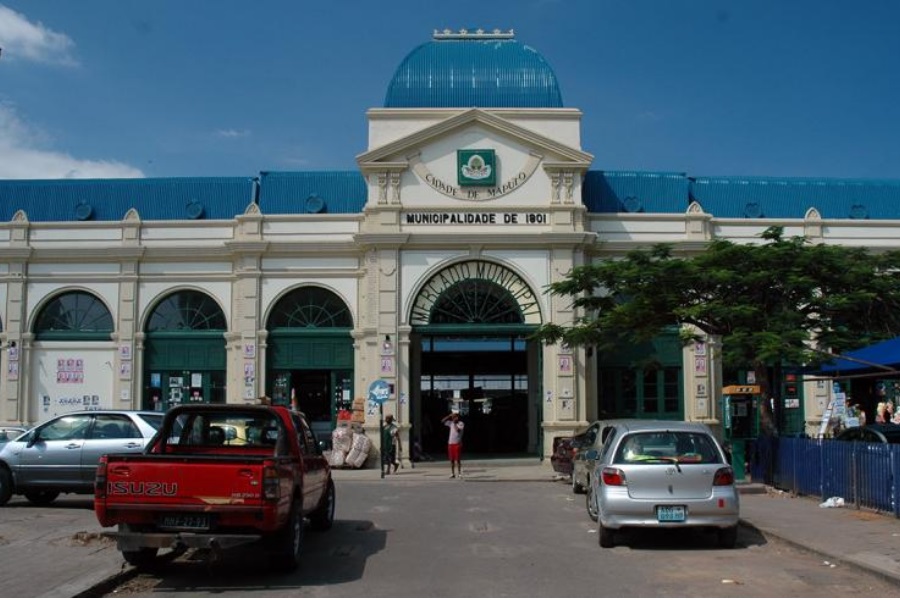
506	529
443	538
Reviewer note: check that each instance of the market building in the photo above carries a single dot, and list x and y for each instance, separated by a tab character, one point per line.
426	268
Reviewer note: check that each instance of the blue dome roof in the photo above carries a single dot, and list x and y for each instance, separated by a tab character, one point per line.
477	69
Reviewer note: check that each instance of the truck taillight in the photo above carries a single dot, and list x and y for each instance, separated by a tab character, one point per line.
100	479
724	476
271	482
613	476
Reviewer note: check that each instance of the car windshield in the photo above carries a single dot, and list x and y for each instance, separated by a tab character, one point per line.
683	447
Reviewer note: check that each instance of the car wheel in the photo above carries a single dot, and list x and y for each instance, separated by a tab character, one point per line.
41	497
728	537
286	543
5	486
590	502
607	537
323	517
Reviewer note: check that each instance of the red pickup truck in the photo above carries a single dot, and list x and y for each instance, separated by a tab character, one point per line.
217	476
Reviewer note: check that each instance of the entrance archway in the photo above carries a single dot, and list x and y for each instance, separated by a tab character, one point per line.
310	355
470	352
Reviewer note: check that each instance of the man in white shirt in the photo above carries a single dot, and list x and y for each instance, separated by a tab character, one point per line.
454	442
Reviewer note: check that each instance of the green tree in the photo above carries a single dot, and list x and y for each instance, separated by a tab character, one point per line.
780	302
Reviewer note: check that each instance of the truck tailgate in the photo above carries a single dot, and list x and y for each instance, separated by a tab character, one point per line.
188	482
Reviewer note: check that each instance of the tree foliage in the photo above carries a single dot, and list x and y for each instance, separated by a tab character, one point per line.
779	302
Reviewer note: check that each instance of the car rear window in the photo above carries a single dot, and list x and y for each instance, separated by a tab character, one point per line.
667	446
153	419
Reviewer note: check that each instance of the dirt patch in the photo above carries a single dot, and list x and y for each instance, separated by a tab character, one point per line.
90	538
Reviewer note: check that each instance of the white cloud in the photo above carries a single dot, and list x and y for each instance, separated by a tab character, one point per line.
21	39
22	158
232	133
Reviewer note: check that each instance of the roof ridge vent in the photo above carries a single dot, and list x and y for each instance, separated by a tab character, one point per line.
477	34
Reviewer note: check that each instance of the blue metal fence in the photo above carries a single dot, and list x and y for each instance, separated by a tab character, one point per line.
865	475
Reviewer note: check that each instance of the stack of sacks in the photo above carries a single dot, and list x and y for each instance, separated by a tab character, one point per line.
360	450
341	444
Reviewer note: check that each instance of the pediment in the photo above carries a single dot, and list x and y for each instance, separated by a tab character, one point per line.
396	153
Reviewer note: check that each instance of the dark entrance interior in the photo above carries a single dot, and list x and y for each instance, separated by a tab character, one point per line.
318	393
486	379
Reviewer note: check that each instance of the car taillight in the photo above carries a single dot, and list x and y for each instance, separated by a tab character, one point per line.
271	487
613	476
724	476
100	479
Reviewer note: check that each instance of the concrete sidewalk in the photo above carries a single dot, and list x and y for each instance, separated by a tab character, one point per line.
60	553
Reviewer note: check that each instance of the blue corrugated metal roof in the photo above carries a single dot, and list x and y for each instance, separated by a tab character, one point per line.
778	198
296	192
631	191
110	199
466	73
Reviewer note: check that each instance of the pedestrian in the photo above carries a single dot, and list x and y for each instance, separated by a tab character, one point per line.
454	442
390	445
882	413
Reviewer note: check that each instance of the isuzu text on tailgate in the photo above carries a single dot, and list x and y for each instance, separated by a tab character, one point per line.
217	476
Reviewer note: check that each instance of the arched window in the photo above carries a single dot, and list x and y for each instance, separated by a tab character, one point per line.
74	316
187	311
309	307
476	301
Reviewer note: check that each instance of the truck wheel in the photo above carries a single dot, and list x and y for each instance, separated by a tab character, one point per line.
286	543
5	486
143	560
577	488
41	497
323	517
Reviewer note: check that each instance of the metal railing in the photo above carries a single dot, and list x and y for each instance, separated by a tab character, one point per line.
864	474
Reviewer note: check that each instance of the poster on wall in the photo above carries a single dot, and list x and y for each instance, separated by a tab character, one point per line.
70	370
565	363
12	370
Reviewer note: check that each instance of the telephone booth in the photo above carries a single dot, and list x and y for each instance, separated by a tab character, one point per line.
741	415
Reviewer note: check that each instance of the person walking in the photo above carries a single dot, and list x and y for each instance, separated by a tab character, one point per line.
454	442
390	445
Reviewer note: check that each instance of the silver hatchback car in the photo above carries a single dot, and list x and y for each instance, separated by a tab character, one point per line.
61	454
664	475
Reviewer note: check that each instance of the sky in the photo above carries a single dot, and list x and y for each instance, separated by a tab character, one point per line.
174	88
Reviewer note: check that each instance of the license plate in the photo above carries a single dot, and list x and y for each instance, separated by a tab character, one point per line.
670	514
187	521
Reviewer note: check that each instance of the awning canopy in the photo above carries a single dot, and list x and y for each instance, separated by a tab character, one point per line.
882	357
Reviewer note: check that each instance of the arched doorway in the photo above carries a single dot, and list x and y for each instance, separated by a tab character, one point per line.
71	355
470	352
310	355
184	351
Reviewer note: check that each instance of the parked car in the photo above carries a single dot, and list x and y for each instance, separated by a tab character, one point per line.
586	453
887	433
566	447
10	432
61	455
663	475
